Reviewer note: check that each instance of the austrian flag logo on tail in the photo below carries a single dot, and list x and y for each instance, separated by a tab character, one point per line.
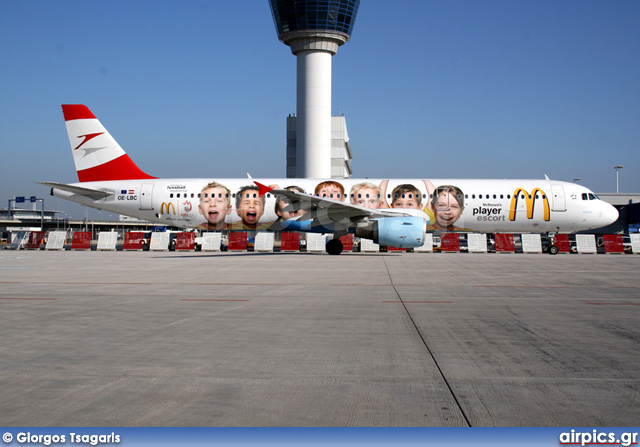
87	137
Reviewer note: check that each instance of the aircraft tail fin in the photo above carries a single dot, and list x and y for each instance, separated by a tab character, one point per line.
97	155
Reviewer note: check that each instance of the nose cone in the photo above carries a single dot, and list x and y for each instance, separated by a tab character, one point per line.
608	214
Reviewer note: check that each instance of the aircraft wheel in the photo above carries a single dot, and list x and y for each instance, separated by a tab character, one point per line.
553	250
334	247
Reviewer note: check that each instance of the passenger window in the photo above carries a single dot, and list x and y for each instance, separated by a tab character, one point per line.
171	196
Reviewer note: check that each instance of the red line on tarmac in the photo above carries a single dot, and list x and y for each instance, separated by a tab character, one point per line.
422	302
112	283
197	299
287	284
616	304
237	284
380	285
31	299
526	287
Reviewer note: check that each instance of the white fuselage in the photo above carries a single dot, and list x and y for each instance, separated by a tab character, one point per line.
489	206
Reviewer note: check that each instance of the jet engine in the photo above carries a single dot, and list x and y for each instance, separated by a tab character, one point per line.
400	232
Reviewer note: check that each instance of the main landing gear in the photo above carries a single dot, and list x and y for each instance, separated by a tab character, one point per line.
334	246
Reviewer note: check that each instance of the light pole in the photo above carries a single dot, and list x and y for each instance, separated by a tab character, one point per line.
617	168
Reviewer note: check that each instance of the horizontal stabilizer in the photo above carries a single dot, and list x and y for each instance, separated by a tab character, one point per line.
93	194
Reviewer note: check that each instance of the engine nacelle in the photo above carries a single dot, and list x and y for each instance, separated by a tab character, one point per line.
400	232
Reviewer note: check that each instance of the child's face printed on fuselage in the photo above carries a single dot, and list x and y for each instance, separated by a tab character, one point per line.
408	201
251	208
331	192
447	210
367	198
214	205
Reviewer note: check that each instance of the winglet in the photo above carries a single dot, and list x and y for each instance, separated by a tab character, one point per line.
262	189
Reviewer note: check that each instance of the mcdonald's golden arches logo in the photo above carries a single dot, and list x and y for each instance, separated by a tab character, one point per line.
166	206
530	201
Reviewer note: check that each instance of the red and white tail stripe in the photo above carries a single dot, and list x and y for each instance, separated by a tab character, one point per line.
97	155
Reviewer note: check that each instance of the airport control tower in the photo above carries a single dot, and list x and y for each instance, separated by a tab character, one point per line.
314	29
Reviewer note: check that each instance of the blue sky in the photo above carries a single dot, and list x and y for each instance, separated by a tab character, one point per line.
430	89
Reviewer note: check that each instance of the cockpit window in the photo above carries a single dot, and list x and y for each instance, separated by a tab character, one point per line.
593	197
585	196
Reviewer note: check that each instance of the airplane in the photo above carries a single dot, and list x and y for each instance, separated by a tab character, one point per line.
391	212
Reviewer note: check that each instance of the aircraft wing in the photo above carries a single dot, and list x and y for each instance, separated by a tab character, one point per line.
331	213
93	194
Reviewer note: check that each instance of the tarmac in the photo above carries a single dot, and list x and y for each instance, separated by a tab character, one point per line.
287	339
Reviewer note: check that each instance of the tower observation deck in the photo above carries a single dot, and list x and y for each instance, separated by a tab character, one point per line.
314	29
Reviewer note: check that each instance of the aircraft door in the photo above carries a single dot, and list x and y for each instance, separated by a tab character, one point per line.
557	198
146	194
